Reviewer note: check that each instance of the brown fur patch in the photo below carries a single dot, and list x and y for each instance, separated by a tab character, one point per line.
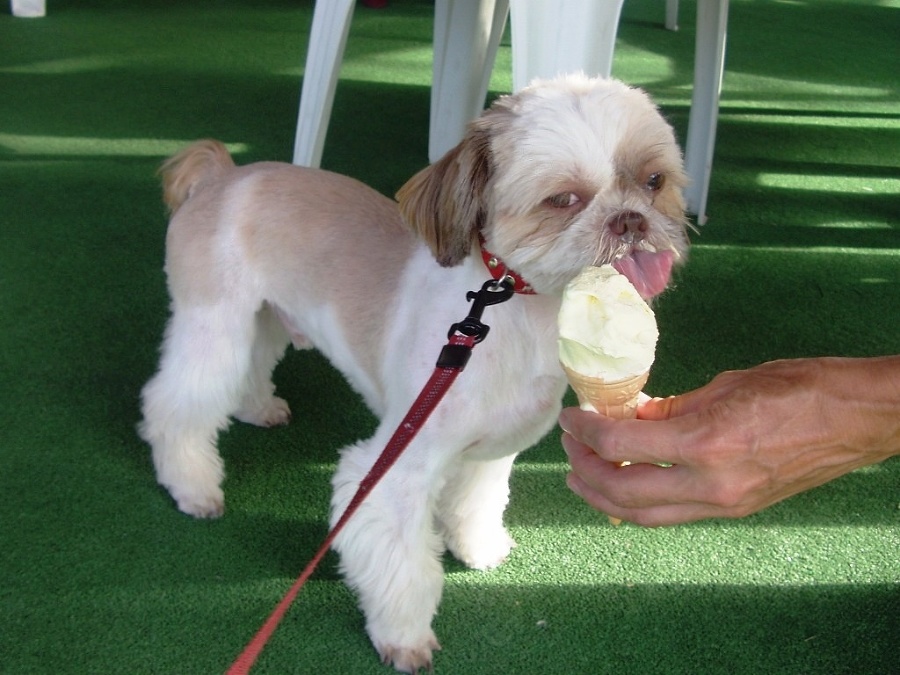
182	172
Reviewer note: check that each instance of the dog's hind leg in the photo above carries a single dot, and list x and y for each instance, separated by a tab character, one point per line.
470	512
206	357
259	404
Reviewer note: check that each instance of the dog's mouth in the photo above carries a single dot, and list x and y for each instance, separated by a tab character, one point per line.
647	271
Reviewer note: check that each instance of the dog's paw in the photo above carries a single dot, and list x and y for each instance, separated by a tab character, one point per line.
410	659
484	550
206	505
275	412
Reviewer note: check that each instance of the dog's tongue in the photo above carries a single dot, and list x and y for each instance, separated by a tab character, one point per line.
647	272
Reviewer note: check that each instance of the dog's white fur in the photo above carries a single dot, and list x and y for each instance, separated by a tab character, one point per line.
264	254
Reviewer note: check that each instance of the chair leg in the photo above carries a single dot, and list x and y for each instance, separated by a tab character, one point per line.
672	14
709	63
466	36
545	46
30	9
327	39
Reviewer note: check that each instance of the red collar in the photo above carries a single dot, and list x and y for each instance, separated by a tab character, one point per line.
499	270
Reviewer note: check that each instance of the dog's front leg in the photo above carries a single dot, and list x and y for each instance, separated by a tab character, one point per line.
390	551
470	511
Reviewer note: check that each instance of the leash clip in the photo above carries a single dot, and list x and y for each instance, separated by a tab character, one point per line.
492	292
470	331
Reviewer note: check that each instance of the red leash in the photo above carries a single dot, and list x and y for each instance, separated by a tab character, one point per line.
454	356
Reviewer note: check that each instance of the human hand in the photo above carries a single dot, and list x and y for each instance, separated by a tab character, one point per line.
746	440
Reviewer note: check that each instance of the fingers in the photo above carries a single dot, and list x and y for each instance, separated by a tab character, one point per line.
643	494
633	485
686	417
625	440
650	516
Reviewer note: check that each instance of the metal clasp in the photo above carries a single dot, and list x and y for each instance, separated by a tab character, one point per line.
492	292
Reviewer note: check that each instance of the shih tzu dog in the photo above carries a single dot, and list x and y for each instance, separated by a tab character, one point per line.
567	173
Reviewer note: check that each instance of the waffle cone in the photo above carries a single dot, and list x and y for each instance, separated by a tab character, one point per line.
618	399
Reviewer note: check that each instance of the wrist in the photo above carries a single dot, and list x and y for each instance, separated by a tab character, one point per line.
865	401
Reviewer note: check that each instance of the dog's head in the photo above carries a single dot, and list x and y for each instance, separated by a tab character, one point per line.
567	173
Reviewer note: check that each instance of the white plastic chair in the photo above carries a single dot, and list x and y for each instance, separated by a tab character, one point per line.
546	41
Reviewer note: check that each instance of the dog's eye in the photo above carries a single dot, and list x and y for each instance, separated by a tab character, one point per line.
563	200
655	182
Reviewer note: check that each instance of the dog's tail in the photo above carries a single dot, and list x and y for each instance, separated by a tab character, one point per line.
196	164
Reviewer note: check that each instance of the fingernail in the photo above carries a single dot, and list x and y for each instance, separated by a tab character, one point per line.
564	420
565	440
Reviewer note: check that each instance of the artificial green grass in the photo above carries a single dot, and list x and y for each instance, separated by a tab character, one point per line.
801	257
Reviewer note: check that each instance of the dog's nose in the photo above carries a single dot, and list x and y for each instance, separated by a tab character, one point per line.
627	221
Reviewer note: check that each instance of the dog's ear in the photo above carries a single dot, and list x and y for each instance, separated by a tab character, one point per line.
445	203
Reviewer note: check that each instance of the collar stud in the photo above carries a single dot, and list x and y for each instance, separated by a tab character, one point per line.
499	270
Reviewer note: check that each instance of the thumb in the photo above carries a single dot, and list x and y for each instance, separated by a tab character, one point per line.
656	409
690	402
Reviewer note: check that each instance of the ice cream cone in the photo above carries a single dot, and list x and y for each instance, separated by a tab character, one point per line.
614	399
608	331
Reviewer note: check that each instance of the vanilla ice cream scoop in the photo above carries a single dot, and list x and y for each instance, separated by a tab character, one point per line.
606	330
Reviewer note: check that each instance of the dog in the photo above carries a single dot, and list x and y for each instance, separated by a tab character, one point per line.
567	173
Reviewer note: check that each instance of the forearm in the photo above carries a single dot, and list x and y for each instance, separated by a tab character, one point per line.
861	398
789	426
